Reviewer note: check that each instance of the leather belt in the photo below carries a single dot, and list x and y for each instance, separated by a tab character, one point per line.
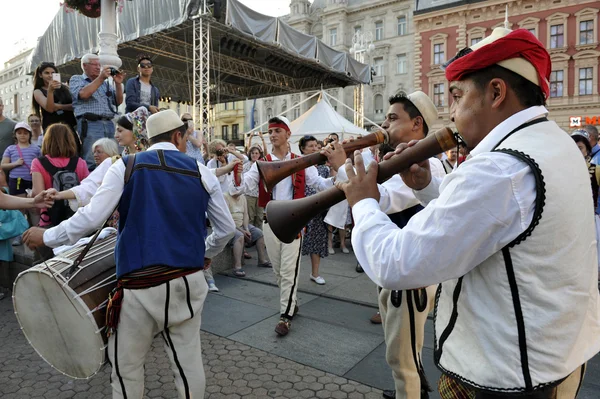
88	116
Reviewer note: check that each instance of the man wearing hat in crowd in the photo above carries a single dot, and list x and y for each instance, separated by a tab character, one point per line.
285	258
517	313
404	312
160	254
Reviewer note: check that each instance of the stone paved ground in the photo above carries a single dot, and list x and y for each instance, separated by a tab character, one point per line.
233	370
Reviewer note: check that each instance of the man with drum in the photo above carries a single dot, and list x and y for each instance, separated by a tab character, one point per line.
404	312
510	236
160	254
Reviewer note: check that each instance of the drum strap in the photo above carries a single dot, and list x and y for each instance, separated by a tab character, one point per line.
128	171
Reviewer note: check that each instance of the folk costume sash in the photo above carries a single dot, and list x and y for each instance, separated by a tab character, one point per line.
298	185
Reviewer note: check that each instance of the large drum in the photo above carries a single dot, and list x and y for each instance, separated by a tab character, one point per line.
63	317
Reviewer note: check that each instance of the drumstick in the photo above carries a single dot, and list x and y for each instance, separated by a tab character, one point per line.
55	279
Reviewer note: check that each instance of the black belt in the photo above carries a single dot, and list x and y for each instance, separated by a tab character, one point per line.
93	117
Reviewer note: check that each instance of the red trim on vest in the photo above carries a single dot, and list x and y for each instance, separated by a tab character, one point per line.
298	185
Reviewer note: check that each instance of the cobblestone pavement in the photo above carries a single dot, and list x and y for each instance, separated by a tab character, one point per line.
233	370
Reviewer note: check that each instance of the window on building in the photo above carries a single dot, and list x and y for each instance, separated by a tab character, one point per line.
556	84
401	66
235	130
269	113
15	102
357	29
226	106
378	66
333	37
402	27
225	132
296	111
438	94
586	32
378	104
585	81
532	30
233	105
438	54
379	30
475	40
557	36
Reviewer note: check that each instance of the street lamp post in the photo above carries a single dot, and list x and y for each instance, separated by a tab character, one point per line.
362	47
107	37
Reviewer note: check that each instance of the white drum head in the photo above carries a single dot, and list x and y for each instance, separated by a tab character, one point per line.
57	325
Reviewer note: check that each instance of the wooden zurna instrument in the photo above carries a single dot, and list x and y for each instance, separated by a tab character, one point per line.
273	172
288	218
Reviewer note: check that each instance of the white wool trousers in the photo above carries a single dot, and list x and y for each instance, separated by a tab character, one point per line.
172	309
285	259
403	317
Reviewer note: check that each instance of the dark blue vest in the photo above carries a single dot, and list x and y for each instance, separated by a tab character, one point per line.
401	218
162	213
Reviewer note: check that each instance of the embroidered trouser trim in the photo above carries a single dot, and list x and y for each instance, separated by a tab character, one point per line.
285	259
403	321
173	309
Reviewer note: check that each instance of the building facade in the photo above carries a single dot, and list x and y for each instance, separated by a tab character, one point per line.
567	28
16	87
335	22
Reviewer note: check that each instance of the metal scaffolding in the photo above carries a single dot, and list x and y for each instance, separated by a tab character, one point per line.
201	65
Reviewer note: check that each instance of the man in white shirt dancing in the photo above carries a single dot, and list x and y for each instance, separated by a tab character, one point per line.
517	313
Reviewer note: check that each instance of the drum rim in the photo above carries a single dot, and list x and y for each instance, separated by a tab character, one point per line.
80	303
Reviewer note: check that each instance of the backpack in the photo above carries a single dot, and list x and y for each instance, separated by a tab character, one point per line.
62	179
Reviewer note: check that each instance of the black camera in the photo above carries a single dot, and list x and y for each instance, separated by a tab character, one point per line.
113	71
220	152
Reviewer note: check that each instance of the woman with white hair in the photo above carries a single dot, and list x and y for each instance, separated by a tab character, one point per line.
103	149
131	134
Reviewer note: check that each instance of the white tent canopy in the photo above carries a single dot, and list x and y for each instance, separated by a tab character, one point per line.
320	121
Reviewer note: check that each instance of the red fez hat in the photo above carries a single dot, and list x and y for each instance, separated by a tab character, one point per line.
518	51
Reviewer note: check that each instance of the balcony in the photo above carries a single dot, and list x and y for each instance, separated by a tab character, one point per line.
378	80
229	115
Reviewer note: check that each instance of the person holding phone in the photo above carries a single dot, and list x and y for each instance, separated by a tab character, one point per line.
52	101
196	146
96	95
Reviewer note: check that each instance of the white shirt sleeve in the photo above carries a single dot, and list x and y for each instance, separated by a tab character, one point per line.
88	187
249	181
94	214
483	206
395	196
313	179
221	221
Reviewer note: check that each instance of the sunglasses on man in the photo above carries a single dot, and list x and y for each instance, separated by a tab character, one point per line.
145	66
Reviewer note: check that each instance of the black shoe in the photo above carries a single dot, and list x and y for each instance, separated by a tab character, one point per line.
391	394
359	268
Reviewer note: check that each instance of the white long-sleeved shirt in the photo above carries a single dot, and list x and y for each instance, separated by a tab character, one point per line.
394	195
102	204
88	187
283	189
471	214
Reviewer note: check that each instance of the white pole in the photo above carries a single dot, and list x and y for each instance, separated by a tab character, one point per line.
107	37
340	102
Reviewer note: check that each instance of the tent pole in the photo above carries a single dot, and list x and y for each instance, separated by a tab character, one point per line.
354	111
297	105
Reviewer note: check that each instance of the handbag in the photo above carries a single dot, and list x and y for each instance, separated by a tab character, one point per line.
12	224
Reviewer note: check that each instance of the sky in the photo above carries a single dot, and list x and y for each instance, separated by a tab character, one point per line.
16	36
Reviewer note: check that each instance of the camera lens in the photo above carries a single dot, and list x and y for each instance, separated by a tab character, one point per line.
113	71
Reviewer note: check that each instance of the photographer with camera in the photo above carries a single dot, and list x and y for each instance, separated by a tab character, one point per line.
95	102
